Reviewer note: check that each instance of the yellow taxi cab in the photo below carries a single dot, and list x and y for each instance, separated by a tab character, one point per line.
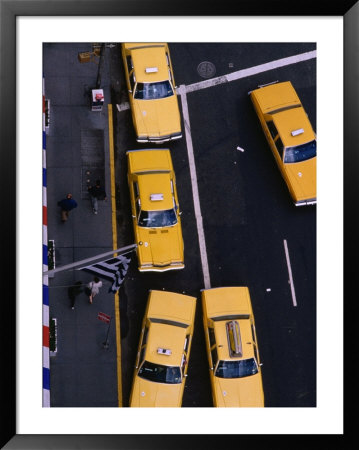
152	92
232	349
155	210
290	136
164	350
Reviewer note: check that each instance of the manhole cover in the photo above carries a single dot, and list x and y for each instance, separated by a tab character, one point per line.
206	69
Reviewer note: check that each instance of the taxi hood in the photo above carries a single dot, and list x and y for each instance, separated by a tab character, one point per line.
160	246
239	392
151	394
157	118
302	179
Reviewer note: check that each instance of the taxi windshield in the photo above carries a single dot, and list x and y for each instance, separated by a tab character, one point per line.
153	91
300	152
159	373
236	369
153	219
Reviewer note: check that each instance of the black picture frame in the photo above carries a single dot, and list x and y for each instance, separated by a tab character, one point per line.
9	10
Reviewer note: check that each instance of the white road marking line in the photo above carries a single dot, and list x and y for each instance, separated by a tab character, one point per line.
290	272
251	71
240	149
197	206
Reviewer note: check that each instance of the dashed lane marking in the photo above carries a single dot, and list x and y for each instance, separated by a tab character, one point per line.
290	273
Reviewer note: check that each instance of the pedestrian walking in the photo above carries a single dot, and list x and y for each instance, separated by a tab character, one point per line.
66	204
93	288
96	192
74	291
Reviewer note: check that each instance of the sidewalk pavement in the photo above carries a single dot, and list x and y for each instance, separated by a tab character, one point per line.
82	372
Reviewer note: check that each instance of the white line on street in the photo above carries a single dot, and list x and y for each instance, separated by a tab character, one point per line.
250	71
290	272
197	206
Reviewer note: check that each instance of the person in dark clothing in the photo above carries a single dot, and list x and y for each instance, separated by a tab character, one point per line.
74	291
96	192
66	204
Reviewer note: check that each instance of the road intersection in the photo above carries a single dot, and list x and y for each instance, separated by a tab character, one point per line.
83	372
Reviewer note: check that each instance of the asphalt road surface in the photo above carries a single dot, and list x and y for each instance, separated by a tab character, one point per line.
253	235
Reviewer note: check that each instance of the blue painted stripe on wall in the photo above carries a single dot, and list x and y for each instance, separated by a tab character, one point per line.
44	255
45	294
46	378
44	178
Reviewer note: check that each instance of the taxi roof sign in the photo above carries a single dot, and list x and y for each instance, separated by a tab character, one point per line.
296	132
164	351
156	197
